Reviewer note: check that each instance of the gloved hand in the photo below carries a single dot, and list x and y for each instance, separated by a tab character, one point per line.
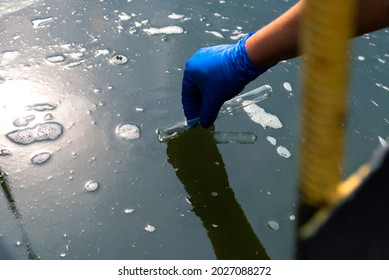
212	76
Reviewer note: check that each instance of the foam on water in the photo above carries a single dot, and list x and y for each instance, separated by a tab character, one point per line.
175	16
40	132
129	210
5	152
287	86
215	33
118	59
23	121
91	186
150	228
260	116
128	132
41	22
271	140
55	58
7	57
40	107
384	143
168	30
40	158
284	152
273	225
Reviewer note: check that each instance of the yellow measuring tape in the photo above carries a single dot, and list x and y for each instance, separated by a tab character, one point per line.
327	27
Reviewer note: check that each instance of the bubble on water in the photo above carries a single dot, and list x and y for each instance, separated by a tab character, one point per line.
40	158
118	59
150	228
284	152
273	225
292	217
271	140
164	30
41	22
287	86
5	152
260	116
55	58
40	132
19	243
23	121
129	210
91	186
139	109
128	132
215	33
43	107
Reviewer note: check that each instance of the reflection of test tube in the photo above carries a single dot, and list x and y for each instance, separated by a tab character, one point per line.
228	107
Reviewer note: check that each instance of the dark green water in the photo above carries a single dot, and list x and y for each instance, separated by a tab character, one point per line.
204	200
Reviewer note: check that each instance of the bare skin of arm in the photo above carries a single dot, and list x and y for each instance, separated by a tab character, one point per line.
279	40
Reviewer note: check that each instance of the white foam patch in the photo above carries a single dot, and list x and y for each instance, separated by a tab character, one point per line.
271	140
215	33
40	158
128	132
173	29
175	16
383	142
260	116
55	58
284	152
41	22
287	86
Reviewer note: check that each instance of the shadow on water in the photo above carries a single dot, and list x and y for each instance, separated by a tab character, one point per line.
199	166
12	206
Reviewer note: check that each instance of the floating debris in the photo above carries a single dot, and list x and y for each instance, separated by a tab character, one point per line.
118	59
41	158
128	132
91	186
273	225
164	30
40	132
150	228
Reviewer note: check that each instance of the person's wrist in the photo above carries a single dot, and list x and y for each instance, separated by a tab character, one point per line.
244	63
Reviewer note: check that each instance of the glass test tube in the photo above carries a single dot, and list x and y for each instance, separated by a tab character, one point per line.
232	105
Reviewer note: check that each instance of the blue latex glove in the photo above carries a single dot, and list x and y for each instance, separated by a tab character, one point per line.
212	76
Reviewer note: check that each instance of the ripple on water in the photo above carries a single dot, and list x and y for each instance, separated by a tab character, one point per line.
40	132
128	131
